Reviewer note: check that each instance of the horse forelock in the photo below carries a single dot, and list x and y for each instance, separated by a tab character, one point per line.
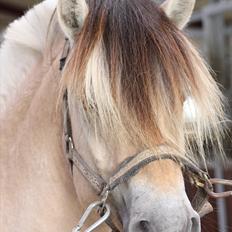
132	69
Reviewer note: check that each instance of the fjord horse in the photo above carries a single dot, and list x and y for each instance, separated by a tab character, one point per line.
128	75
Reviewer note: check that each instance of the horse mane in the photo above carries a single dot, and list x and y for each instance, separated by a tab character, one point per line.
131	69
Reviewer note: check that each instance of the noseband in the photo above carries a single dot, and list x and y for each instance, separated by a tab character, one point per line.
129	168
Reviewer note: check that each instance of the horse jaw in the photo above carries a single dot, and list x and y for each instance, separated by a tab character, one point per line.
179	11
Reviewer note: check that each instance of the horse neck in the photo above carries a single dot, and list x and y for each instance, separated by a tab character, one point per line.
35	171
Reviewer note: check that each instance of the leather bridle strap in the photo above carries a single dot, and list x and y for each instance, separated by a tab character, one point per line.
94	179
73	155
134	164
131	166
128	168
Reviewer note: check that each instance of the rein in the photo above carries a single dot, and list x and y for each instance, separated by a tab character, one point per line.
129	168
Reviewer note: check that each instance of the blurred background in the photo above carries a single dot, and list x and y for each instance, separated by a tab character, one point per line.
211	30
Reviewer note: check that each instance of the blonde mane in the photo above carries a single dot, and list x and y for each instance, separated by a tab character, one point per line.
131	70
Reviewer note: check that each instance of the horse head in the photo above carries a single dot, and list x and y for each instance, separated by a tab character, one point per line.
128	74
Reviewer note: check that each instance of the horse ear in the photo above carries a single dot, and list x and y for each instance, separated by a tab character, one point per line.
179	11
71	16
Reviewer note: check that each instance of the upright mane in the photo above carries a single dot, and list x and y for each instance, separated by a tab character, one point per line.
131	69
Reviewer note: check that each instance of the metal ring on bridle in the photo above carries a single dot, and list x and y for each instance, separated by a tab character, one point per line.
98	205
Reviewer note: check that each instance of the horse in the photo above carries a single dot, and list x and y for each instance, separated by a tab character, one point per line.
128	72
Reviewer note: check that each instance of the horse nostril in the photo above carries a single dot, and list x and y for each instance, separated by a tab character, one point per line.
144	226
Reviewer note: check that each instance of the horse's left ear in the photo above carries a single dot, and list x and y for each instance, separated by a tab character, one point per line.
71	16
179	11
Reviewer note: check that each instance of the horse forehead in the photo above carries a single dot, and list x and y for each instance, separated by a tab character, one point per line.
163	176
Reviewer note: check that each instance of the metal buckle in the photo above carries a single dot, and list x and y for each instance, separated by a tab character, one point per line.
101	207
70	142
198	181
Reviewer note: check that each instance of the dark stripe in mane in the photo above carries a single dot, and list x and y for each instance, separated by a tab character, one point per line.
151	68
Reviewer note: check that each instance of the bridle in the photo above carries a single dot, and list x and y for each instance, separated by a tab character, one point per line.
129	168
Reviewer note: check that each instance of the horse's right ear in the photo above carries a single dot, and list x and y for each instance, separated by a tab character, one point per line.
179	11
71	16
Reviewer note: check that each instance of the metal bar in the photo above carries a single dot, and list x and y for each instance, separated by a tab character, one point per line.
221	205
212	9
228	31
218	8
214	44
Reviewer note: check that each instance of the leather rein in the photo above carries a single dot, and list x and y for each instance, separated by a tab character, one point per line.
129	168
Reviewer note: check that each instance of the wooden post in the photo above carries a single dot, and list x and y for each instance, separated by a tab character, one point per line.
214	43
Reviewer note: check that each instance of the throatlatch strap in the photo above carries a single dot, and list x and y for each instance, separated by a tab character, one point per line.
97	182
